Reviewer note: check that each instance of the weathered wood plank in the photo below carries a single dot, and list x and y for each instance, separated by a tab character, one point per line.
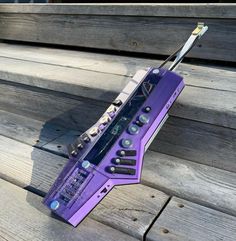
23	217
211	145
178	177
113	32
172	175
28	130
202	104
202	184
178	137
210	76
123	208
184	221
203	143
207	10
50	106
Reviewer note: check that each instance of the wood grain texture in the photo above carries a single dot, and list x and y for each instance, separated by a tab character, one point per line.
202	143
28	130
23	217
210	76
124	208
196	141
186	221
50	106
126	33
198	183
207	10
201	100
202	184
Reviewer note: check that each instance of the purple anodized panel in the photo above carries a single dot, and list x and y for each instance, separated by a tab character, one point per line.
111	152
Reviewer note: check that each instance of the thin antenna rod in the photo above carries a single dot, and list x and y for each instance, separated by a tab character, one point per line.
184	49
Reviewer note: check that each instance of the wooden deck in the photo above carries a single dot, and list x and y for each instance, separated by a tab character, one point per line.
49	95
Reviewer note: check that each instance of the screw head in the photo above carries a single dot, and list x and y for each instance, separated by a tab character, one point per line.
156	71
85	164
54	205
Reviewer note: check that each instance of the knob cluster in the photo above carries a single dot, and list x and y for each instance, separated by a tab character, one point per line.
80	143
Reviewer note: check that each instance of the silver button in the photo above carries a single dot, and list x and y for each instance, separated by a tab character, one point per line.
144	119
85	164
126	143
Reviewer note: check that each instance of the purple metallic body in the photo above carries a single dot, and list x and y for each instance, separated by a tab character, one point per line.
74	195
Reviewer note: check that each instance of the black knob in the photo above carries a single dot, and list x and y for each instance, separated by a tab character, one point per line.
79	144
85	138
147	109
72	150
117	102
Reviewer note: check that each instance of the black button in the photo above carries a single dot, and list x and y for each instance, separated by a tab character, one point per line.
147	109
85	138
122	161
72	150
138	123
126	153
121	170
117	103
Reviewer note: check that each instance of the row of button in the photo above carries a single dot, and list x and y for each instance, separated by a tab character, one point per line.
133	129
78	145
123	161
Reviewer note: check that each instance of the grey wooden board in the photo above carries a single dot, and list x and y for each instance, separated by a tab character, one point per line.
132	209
201	100
186	221
209	76
50	106
196	141
212	10
199	183
126	33
28	130
23	217
202	143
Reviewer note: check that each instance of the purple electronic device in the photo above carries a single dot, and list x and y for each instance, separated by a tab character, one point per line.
111	152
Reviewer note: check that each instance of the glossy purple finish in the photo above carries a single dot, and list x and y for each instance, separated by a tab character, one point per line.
99	181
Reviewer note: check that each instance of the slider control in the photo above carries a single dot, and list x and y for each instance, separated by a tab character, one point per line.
121	170
122	161
126	153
